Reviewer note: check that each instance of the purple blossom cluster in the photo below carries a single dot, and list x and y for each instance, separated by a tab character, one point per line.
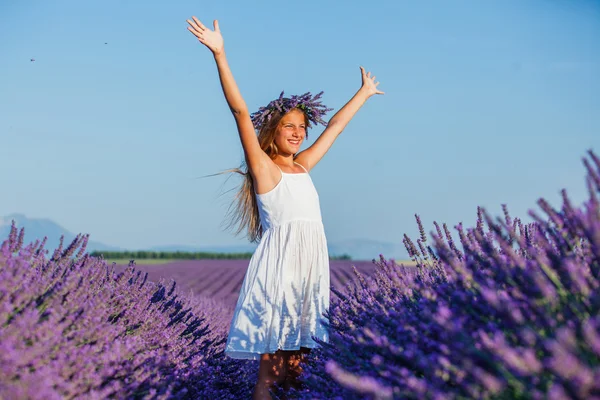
509	310
72	328
310	105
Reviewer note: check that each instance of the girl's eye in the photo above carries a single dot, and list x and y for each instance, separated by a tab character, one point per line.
291	126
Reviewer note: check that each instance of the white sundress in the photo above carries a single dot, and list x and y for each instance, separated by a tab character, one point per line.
286	287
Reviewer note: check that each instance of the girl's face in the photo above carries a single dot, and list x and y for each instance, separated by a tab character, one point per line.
291	132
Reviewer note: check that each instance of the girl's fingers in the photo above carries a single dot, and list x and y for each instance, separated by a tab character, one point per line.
194	32
373	78
216	26
193	25
202	27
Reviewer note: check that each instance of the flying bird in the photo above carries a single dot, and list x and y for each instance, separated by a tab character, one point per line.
32	60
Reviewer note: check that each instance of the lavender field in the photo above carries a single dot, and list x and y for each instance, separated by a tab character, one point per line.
501	310
222	279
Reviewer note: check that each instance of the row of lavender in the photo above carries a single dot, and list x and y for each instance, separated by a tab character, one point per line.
221	279
509	310
71	327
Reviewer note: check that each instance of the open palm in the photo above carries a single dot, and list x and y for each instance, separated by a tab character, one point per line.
211	39
369	84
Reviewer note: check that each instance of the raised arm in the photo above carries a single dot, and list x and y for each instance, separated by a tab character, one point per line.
338	122
213	39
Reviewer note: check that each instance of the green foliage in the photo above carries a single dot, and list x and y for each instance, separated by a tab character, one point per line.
165	255
181	255
341	257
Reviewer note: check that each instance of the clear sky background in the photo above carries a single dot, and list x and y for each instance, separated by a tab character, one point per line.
106	132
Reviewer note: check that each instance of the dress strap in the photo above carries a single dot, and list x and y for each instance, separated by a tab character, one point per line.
301	166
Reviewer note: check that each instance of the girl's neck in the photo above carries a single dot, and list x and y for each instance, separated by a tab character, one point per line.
285	161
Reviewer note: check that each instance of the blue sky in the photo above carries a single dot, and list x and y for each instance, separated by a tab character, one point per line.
106	132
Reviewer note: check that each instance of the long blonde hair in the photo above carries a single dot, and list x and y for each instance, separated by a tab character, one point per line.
245	213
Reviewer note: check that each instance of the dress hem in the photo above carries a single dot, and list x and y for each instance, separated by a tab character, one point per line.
249	355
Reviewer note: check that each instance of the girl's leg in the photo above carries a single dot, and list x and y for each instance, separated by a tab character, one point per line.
272	370
294	368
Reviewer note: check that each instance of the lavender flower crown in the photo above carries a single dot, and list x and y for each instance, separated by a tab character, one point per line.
311	106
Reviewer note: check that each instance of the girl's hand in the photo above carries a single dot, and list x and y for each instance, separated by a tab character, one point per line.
368	83
211	39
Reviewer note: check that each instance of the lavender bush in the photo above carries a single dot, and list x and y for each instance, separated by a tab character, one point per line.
71	328
510	310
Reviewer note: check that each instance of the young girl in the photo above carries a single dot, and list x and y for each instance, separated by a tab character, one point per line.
285	290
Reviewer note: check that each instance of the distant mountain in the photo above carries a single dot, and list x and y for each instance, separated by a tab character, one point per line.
37	228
